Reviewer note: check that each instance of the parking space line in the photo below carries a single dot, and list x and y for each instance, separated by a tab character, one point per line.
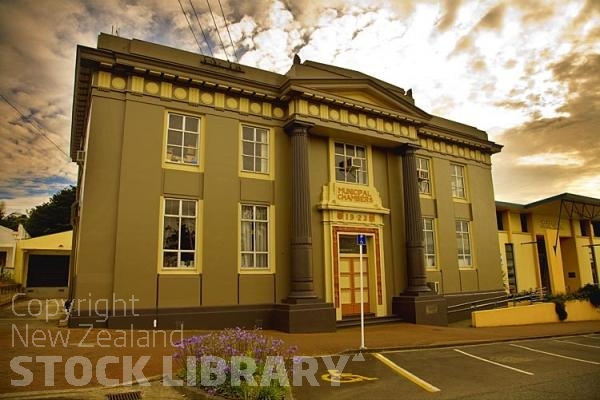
404	373
556	355
493	362
578	344
593	336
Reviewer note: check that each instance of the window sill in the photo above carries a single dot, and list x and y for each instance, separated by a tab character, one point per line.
256	271
178	271
182	167
460	200
256	175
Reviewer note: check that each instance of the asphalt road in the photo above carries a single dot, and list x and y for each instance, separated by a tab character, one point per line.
558	368
562	368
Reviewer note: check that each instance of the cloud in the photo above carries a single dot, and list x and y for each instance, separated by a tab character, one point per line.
555	155
449	16
522	70
493	20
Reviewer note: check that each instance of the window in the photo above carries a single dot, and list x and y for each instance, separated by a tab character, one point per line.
183	136
255	236
351	163
179	233
524	225
500	220
584	225
596	228
463	242
429	235
255	149
510	267
423	175
458	181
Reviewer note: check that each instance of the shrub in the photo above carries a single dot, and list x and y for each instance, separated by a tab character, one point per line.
561	311
591	293
233	350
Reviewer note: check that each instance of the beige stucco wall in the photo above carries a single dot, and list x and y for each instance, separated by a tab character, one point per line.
318	164
526	262
487	251
98	214
541	313
570	264
485	274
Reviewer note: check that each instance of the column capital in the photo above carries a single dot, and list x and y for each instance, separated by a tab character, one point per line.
297	127
407	148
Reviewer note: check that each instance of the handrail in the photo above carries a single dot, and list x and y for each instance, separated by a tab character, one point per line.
535	295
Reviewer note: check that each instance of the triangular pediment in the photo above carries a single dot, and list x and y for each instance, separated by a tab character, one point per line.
352	87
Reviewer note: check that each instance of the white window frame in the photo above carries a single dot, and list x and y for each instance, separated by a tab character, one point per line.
253	252
179	251
263	160
353	168
428	255
424	175
464	243
192	151
459	182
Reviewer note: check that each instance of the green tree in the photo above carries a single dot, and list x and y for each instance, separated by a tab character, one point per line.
53	216
13	220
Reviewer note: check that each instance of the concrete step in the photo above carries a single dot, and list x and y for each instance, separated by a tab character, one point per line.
370	319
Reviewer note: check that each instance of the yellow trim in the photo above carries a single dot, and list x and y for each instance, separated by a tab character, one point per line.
199	238
473	264
257	175
271	231
201	145
431	194
404	373
465	183
436	266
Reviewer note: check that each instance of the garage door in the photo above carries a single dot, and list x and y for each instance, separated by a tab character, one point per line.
48	271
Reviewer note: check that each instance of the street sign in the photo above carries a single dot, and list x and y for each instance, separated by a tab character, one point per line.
361	239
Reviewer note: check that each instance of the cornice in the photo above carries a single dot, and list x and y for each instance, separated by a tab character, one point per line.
106	70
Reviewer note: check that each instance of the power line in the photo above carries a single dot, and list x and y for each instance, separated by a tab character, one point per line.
190	25
217	29
201	30
37	128
229	33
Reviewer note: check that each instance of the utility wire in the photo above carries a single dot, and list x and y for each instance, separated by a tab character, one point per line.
37	128
201	30
229	33
217	29
190	25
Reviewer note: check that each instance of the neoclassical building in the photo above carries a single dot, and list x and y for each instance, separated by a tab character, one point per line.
218	194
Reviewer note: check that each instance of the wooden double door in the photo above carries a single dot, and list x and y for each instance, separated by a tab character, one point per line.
350	286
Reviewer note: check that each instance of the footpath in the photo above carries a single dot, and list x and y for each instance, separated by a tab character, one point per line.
29	332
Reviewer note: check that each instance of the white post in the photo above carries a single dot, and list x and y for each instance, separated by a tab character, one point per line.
362	300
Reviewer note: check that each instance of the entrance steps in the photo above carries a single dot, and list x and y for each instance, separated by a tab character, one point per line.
370	319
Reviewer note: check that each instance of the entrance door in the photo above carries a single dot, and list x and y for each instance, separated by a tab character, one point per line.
350	285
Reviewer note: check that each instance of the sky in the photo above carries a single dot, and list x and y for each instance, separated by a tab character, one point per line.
525	71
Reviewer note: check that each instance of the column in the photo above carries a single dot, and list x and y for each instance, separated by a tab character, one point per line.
301	241
415	262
